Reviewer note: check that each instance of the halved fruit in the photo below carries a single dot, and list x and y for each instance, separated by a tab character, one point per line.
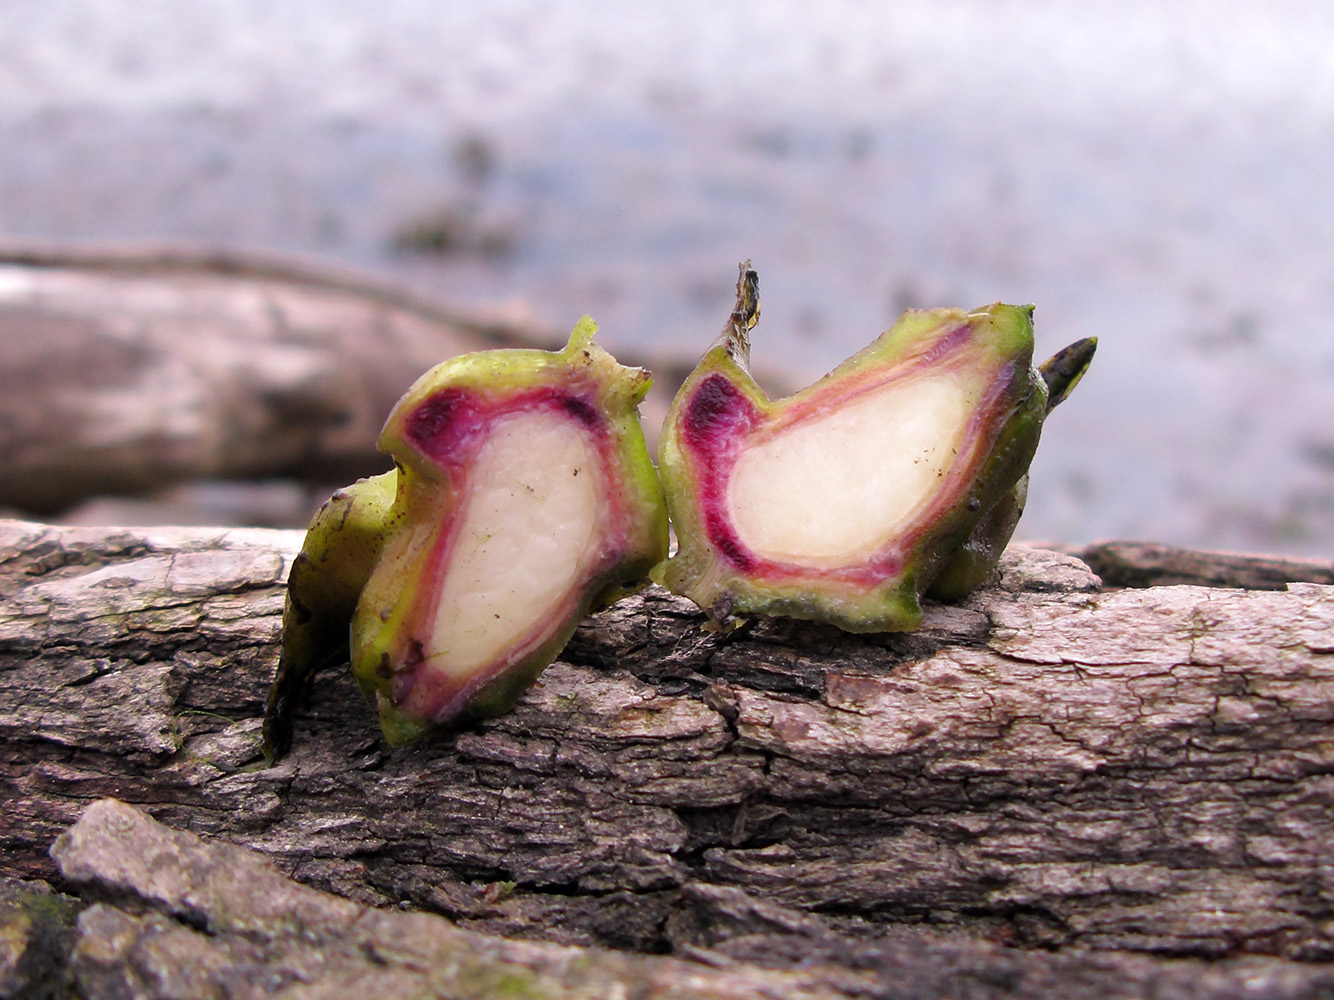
341	547
524	498
845	501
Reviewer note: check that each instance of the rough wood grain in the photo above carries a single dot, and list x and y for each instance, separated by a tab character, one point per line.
222	921
183	919
1144	564
1052	764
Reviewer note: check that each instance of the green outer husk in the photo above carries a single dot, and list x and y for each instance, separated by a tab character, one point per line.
1002	337
342	546
423	493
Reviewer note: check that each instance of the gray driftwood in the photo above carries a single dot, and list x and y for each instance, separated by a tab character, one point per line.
1056	787
127	370
132	369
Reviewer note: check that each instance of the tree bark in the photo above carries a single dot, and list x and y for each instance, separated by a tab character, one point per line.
1053	786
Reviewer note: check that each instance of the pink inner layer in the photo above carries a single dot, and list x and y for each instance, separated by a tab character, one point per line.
720	417
449	429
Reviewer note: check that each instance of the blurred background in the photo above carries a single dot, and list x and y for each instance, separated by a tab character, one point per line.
1158	175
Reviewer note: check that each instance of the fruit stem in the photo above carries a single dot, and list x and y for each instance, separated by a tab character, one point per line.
736	335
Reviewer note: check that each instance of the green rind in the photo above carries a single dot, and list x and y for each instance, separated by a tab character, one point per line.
506	371
1002	339
974	562
341	548
425	493
976	559
501	694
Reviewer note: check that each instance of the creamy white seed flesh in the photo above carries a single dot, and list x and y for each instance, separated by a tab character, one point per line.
527	535
836	488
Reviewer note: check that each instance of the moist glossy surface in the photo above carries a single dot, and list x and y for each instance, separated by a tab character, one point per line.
526	534
806	492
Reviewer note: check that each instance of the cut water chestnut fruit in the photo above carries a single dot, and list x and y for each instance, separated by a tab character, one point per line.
900	473
523	498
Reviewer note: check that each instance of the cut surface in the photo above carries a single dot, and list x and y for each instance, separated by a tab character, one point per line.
838	487
525	542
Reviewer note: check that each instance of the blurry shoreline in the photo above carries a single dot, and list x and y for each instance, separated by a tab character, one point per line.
1180	208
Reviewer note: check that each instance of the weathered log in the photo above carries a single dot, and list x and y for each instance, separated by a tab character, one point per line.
1143	564
183	919
127	369
124	372
221	919
1052	764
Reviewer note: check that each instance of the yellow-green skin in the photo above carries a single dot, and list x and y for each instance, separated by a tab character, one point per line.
382	565
991	347
975	561
341	547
